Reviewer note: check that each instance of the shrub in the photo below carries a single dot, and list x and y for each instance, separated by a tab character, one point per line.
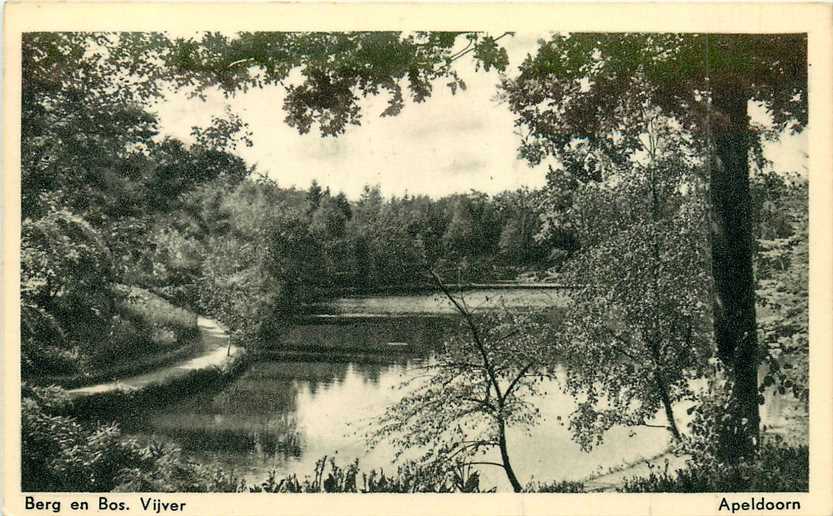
169	471
74	319
144	325
778	468
61	455
121	342
48	360
158	312
66	286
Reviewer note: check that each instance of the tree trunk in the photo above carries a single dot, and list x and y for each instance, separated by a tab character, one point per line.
662	384
504	457
666	404
734	285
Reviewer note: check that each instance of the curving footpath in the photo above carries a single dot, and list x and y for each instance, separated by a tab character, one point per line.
216	354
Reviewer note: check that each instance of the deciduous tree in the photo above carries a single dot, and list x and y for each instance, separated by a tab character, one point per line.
577	97
480	384
636	335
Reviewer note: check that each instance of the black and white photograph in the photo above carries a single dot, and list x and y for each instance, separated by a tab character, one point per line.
413	261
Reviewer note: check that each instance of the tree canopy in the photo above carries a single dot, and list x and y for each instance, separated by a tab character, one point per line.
592	90
325	74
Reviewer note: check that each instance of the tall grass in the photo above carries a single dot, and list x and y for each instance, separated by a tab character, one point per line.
146	331
158	312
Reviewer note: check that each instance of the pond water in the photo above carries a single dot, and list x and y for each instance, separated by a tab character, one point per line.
285	414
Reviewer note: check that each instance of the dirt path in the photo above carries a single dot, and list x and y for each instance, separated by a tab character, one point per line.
215	352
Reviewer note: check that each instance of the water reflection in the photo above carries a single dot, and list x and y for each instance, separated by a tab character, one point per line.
408	334
285	415
279	414
288	412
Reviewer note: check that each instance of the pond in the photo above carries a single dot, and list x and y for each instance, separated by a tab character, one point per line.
286	414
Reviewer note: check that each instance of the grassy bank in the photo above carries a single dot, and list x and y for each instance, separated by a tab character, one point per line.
101	406
145	333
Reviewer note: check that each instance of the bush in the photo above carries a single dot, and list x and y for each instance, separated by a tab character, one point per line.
410	478
121	342
144	325
61	454
778	468
48	360
168	471
144	332
159	313
66	288
74	319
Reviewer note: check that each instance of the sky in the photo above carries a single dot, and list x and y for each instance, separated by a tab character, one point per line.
448	144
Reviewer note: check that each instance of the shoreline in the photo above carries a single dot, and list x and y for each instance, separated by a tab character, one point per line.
219	361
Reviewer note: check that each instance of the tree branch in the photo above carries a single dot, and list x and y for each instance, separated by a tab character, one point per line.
624	342
517	379
460	365
664	427
469	48
475	333
485	463
239	61
462	52
473	444
484	403
510	334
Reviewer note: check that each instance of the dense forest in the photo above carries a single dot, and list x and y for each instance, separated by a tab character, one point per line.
127	233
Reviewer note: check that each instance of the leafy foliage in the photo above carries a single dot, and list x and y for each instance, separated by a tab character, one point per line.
581	98
585	99
62	454
66	288
637	333
80	117
780	468
783	297
563	486
626	120
227	246
410	478
336	69
59	455
95	182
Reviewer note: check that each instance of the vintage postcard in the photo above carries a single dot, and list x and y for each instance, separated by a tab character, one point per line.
417	259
